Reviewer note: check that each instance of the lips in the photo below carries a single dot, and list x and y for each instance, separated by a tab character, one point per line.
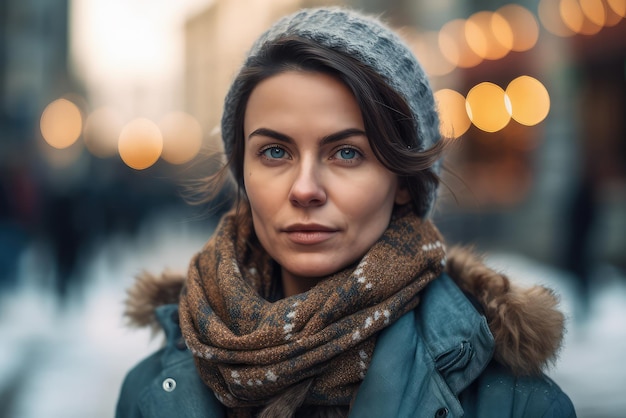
309	228
309	234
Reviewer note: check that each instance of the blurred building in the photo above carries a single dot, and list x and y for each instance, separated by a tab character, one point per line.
567	174
216	42
58	200
33	69
33	66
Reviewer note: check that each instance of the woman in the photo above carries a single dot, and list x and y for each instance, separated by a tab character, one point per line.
326	291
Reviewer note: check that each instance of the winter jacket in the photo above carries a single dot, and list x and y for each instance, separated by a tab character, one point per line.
474	347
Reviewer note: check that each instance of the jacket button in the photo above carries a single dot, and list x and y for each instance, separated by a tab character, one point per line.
169	384
180	344
441	413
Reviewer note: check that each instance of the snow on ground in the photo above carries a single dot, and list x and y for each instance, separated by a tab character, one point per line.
71	363
591	367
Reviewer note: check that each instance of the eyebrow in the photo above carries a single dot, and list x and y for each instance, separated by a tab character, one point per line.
334	137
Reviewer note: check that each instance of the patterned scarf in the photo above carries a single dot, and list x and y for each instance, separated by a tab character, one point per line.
248	349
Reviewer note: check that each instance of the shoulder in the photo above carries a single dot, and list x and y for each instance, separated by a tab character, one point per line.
137	380
166	383
499	393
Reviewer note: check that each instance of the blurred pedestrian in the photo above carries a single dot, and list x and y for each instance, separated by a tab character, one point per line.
327	291
18	215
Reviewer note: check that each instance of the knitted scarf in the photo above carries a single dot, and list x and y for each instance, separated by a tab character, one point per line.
248	349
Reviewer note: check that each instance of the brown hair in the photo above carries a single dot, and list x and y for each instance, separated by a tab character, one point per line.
387	117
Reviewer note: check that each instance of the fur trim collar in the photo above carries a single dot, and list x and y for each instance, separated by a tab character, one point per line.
148	293
525	322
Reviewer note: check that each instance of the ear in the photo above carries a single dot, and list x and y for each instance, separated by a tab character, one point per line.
402	195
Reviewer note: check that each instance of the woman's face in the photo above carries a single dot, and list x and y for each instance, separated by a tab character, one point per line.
319	196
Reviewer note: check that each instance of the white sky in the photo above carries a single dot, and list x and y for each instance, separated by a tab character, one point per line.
130	52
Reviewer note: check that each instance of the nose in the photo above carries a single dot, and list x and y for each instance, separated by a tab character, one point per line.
307	189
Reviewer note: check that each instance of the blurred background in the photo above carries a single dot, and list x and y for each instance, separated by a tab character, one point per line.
108	107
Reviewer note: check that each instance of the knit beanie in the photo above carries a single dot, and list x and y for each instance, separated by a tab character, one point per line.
366	39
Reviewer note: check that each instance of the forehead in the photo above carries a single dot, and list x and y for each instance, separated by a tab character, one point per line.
298	84
298	100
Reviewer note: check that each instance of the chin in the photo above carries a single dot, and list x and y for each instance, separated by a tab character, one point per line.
313	269
318	265
311	273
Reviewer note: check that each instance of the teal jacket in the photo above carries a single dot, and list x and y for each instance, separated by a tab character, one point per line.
437	361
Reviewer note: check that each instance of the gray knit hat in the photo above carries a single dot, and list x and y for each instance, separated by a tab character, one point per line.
367	40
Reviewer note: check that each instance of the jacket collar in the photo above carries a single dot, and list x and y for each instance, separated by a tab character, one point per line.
424	360
456	335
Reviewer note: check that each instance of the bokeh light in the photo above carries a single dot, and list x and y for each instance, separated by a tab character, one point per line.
140	143
475	35
182	137
102	130
594	11
489	35
618	6
550	17
523	25
425	47
574	18
612	17
454	47
530	101
501	33
571	14
452	113
488	107
61	123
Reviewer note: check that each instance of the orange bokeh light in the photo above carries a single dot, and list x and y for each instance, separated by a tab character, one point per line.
182	137
618	6
550	17
488	107
452	113
523	25
530	101
102	130
594	11
61	123
454	47
489	35
140	143
425	47
575	19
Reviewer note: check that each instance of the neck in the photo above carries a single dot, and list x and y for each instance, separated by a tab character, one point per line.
294	284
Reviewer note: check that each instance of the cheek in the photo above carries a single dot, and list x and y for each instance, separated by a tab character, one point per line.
249	179
260	205
373	194
253	191
261	191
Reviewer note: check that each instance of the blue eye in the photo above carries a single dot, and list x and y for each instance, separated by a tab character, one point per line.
347	154
274	153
